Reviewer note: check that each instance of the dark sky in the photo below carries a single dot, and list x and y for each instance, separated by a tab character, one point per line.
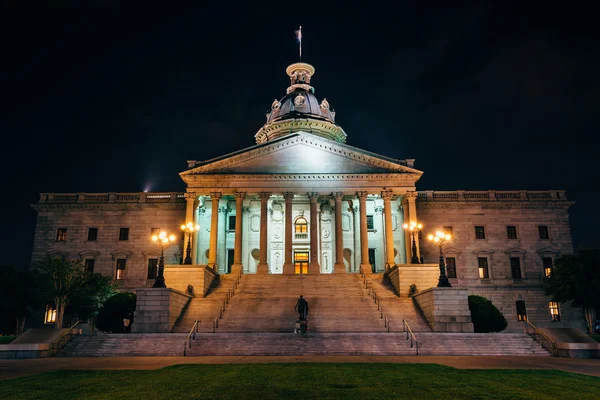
106	97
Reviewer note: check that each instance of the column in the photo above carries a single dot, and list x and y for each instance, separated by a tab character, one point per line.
339	266
356	234
237	252
263	266
313	266
214	229
288	266
389	231
191	200
412	215
407	237
222	239
364	234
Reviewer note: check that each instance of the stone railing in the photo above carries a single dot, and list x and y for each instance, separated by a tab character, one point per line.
492	195
134	197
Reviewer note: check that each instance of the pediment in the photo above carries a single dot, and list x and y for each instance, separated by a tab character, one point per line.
301	153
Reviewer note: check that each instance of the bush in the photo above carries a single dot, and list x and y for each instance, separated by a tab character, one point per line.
486	317
114	310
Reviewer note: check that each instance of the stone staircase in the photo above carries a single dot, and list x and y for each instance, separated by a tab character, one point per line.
291	344
206	308
265	304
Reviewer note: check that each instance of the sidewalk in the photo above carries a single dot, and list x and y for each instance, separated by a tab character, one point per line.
10	369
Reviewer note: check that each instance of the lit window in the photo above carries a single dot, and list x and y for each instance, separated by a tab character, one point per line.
121	268
232	222
448	231
515	267
370	223
479	232
554	310
521	311
543	231
451	267
50	316
124	234
547	262
61	234
92	234
89	265
511	232
152	268
301	225
484	272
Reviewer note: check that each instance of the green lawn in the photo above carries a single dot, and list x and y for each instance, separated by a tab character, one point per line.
7	339
304	381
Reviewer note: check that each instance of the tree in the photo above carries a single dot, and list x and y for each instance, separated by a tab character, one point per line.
18	298
62	281
114	310
576	277
86	303
485	316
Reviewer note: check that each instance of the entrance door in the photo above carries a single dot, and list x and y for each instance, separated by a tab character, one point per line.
372	260
301	262
229	260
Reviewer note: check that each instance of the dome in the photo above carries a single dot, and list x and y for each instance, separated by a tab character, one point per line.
300	110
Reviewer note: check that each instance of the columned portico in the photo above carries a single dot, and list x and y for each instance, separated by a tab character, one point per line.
214	229
339	266
313	266
263	266
237	252
288	266
364	233
389	234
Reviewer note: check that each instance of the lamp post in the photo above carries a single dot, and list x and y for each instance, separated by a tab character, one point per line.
441	239
162	240
189	230
414	229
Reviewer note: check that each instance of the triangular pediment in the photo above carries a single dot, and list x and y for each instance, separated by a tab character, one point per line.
301	153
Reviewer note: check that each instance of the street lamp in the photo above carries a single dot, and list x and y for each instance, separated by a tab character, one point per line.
162	240
189	230
414	229
441	239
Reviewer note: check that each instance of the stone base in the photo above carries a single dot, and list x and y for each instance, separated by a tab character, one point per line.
301	327
236	268
446	309
262	269
339	268
366	268
288	269
314	269
157	310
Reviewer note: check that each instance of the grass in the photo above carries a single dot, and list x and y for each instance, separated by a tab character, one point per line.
304	381
7	339
596	337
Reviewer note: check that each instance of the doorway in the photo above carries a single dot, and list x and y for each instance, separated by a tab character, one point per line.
230	253
372	260
301	262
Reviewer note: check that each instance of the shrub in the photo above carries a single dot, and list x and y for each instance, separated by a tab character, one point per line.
114	310
486	317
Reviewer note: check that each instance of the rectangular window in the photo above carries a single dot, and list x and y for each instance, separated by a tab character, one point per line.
92	234
479	232
451	267
121	268
515	267
511	232
152	268
484	272
154	232
61	234
89	265
521	311
448	231
543	231
370	224
554	310
50	316
547	262
124	234
232	222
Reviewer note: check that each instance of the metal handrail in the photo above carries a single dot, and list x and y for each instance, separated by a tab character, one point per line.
406	328
53	348
551	348
191	336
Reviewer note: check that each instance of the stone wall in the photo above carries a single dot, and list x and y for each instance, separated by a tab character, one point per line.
423	276
158	309
200	277
446	309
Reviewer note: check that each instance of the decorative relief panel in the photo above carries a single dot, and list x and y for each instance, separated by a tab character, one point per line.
255	223
345	222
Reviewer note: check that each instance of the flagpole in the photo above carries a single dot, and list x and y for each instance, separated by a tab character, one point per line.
300	42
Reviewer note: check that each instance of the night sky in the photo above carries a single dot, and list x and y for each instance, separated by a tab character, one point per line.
106	97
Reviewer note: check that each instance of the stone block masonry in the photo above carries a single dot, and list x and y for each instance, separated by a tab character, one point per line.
446	309
157	309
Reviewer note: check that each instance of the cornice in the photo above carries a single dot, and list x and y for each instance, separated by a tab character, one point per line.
107	206
493	205
304	177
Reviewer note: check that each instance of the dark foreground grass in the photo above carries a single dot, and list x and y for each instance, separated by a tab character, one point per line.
304	381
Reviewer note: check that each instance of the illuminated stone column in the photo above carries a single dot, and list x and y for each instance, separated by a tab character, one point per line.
356	229
313	266
339	266
214	229
190	212
263	266
364	234
288	266
412	215
237	252
389	232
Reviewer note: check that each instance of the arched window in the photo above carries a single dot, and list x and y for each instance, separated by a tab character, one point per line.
301	225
